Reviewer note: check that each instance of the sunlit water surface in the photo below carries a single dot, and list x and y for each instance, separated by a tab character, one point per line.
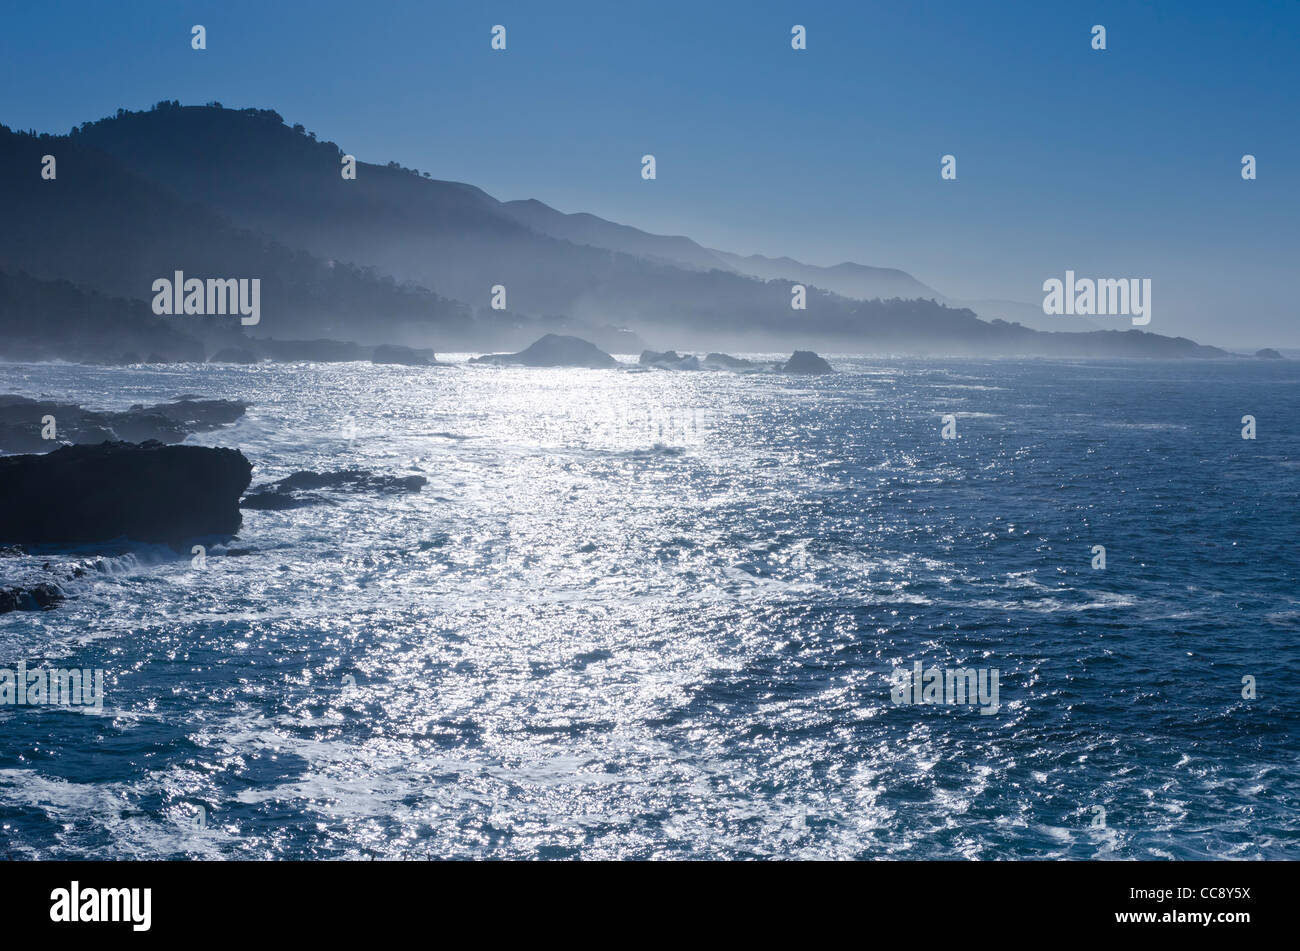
653	615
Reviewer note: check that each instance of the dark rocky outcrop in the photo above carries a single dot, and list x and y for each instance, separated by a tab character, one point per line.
148	492
805	361
404	356
1268	353
22	422
554	350
297	490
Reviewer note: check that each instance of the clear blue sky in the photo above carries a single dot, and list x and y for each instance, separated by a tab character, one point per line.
1123	163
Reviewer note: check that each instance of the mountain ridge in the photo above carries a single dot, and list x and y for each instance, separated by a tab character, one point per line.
415	260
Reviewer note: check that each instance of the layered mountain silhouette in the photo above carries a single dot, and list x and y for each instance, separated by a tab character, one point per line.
397	257
847	279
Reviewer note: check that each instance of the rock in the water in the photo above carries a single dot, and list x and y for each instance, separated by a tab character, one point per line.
404	356
1268	353
651	358
805	361
294	491
722	361
554	350
669	360
23	422
148	492
38	597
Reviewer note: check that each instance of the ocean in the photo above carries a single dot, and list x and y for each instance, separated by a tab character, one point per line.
658	615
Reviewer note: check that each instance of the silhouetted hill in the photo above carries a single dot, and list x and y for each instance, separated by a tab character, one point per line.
102	225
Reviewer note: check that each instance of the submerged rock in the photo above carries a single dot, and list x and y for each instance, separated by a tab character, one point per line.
805	361
148	492
295	491
554	350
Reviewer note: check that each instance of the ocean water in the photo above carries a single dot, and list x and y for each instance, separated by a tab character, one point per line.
654	615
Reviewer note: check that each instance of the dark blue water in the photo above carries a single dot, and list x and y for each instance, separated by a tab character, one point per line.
654	615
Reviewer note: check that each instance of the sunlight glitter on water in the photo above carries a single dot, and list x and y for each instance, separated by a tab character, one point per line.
646	614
